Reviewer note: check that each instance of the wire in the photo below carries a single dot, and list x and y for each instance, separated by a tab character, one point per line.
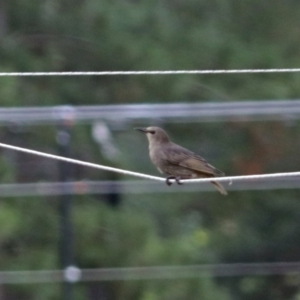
171	112
74	274
79	162
146	176
174	112
157	72
89	187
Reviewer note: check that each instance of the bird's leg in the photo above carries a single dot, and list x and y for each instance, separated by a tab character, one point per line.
169	178
177	179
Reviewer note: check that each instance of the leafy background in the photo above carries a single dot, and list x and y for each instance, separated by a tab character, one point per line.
152	229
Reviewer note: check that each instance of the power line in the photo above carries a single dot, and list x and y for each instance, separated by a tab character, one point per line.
74	274
229	179
89	187
146	72
174	112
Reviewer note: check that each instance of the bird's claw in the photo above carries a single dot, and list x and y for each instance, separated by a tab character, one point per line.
177	179
168	180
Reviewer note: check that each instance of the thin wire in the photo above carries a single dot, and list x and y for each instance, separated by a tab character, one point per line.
156	72
80	162
73	274
11	190
146	176
173	112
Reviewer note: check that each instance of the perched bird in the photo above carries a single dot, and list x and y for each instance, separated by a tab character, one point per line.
176	161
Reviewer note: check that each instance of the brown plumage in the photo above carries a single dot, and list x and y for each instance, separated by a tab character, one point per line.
176	161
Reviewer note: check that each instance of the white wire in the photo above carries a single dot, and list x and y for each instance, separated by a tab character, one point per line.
79	162
141	175
145	72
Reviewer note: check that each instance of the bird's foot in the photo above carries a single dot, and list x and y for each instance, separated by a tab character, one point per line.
168	180
177	179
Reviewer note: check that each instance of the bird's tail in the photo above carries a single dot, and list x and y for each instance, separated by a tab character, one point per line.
220	187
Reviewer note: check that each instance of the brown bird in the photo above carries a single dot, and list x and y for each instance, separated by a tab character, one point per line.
176	161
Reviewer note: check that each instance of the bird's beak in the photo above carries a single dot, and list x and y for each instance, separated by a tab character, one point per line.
141	129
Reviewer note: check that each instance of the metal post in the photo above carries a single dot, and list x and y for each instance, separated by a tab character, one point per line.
66	235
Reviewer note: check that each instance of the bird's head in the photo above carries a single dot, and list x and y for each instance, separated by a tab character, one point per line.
155	134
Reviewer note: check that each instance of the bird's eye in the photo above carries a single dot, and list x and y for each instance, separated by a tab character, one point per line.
152	132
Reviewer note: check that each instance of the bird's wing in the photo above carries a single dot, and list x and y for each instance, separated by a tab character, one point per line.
180	156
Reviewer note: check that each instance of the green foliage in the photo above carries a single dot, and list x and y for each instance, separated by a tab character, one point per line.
154	229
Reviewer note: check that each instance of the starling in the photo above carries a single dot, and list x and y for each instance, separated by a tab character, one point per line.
176	161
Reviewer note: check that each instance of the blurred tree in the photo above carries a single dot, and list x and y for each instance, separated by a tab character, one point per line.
154	229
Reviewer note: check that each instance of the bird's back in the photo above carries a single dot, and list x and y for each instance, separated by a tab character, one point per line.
172	158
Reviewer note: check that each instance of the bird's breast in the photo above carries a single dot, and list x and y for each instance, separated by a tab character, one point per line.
158	157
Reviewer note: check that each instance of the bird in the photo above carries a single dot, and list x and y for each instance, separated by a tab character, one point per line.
177	162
